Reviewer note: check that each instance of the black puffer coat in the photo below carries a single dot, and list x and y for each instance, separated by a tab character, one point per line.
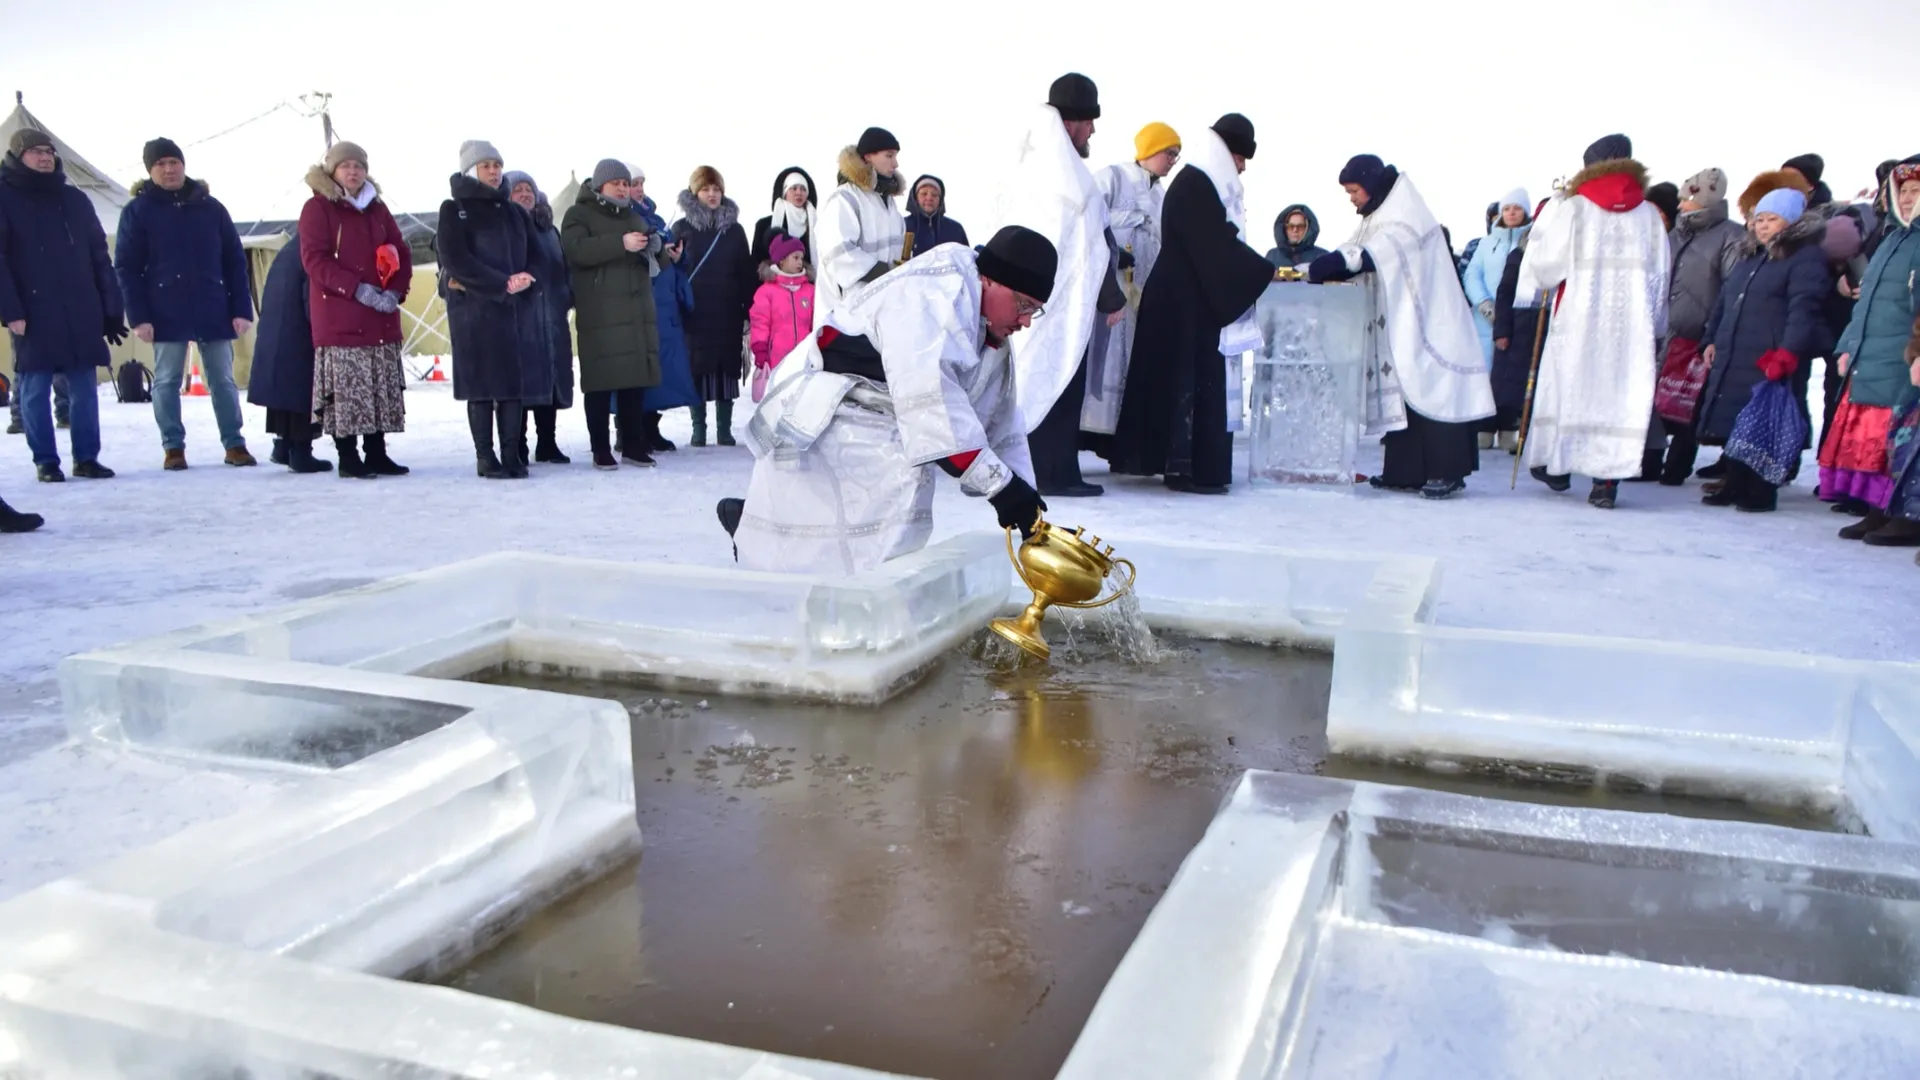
724	277
1773	299
282	375
498	353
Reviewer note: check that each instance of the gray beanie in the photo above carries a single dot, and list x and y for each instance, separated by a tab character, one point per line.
607	171
1707	185
475	151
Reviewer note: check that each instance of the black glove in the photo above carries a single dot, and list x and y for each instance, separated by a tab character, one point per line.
1018	505
1126	261
1329	267
115	330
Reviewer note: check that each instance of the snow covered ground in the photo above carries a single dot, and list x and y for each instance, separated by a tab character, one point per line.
150	551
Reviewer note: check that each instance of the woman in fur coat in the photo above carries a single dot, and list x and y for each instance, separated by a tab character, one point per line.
720	267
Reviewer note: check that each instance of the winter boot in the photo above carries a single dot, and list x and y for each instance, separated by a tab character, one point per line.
13	521
1897	532
480	426
1604	494
1554	483
1442	489
660	442
723	423
377	458
1876	519
279	453
1510	441
174	461
240	458
699	425
351	467
547	449
1759	498
14	428
1853	507
299	457
511	417
49	473
1651	461
1712	472
92	470
1486	440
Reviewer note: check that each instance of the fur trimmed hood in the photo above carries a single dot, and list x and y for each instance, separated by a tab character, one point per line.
1808	231
1616	186
1767	183
325	186
854	169
193	189
696	214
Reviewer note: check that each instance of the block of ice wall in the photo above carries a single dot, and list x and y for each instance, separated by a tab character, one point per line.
1882	778
1768	727
1323	929
1306	403
410	856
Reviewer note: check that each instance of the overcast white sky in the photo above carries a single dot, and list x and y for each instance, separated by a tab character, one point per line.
1470	98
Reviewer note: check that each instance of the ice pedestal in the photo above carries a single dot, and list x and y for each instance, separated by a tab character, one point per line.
1306	400
1329	929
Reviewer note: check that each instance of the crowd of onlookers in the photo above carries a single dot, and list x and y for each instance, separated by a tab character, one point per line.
656	316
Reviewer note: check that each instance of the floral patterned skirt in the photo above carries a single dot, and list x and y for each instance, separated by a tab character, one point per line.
1903	448
359	389
1853	460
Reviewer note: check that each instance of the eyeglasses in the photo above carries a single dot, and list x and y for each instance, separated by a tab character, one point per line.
39	150
1025	308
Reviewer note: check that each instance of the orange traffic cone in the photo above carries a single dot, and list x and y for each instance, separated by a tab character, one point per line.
197	386
434	374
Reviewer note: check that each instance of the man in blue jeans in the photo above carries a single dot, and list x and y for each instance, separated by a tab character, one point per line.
184	275
58	299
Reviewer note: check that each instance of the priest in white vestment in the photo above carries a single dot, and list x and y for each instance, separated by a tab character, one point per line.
860	230
1427	379
1050	190
1134	194
911	376
1599	249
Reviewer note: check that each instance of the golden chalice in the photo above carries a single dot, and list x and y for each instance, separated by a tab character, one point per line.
1063	569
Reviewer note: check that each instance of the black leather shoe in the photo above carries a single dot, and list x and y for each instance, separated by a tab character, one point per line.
1081	490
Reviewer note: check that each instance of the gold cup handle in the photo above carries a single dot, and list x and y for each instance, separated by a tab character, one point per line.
1123	590
1014	558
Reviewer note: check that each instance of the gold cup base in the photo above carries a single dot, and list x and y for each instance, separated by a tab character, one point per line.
1024	631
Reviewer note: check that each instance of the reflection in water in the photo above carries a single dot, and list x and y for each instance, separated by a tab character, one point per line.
938	887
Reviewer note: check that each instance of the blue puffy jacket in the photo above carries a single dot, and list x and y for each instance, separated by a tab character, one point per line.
1482	279
181	265
54	271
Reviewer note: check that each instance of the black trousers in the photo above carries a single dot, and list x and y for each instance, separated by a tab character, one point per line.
1055	444
632	419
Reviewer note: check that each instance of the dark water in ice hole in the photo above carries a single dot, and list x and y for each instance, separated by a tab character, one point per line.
942	885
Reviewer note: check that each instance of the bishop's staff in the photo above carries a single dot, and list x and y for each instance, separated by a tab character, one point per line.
1533	370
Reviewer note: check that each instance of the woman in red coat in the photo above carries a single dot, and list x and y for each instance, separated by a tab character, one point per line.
358	269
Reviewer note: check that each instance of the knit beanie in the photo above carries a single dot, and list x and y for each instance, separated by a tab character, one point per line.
1784	203
158	150
705	175
475	151
1022	260
794	180
1372	174
26	139
606	171
1609	148
341	152
1237	132
1516	197
636	174
1811	166
1666	196
876	140
1074	97
1152	139
784	245
1705	186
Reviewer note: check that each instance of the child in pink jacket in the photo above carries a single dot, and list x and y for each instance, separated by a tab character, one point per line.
782	315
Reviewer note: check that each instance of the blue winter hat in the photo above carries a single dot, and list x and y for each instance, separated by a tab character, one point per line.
1376	177
515	178
1785	203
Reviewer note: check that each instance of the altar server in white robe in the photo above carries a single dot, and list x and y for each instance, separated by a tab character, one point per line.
1426	379
860	229
1134	192
909	377
1599	249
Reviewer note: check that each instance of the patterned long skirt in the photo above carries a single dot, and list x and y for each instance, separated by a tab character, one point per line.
1903	448
359	389
1853	460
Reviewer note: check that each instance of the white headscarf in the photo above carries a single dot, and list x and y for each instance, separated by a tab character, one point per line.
795	221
